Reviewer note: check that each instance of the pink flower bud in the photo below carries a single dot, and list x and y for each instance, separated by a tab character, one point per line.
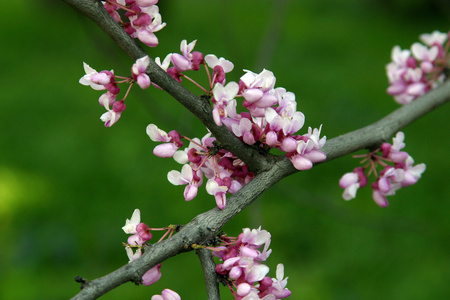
144	231
243	289
152	275
165	150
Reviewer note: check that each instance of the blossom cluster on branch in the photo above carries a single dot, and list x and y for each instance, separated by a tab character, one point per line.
243	268
143	16
140	234
414	72
402	173
269	120
264	117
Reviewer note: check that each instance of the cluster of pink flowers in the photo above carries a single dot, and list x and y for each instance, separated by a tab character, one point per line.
106	80
140	234
143	15
224	171
414	72
271	121
243	269
402	174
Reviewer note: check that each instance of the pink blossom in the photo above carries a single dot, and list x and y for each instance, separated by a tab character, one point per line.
242	264
152	275
218	191
412	173
144	23
186	177
403	173
222	96
351	182
245	129
220	66
139	70
87	79
167	294
414	72
172	139
113	115
307	151
393	152
187	61
107	99
256	237
278	288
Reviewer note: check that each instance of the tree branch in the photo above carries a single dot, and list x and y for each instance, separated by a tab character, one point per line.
200	108
270	169
209	272
205	226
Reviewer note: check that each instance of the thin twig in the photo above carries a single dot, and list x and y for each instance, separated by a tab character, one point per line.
209	272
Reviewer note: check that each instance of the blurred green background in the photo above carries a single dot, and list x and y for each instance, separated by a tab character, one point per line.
67	183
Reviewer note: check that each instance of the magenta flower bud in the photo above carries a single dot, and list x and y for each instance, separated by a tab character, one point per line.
411	62
174	73
129	28
113	88
221	270
265	284
194	157
218	74
119	106
175	138
227	163
143	19
386	148
144	231
361	176
197	60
